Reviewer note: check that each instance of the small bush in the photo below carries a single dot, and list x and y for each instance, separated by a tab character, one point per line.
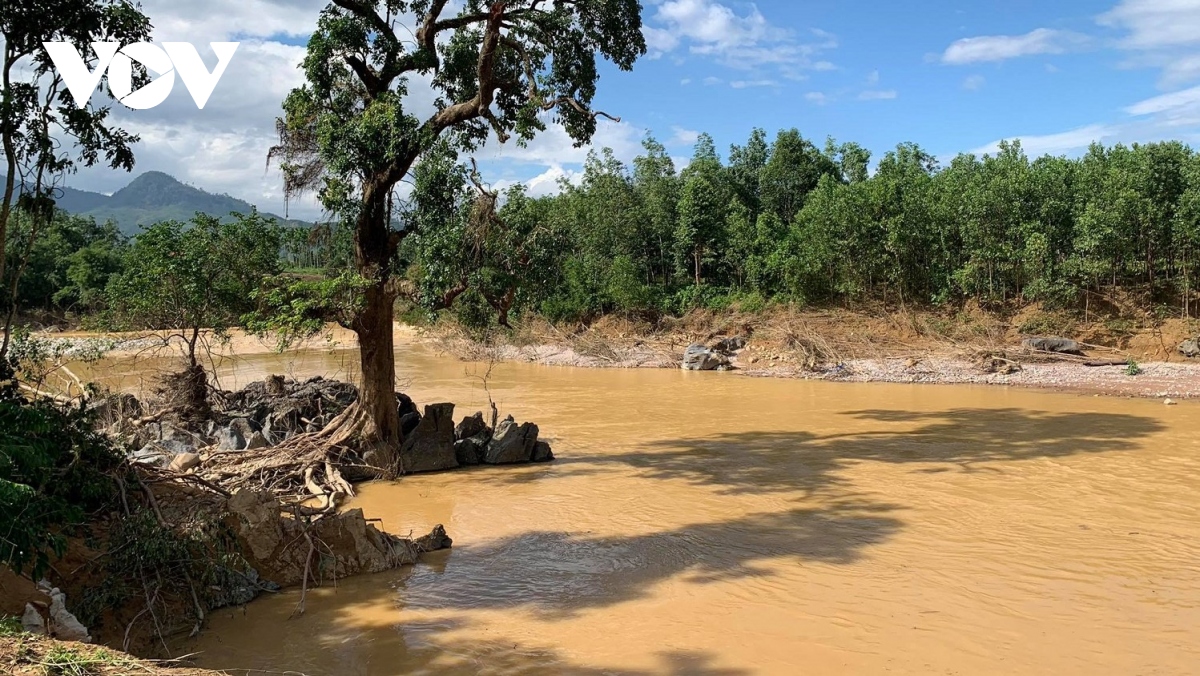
54	470
1132	368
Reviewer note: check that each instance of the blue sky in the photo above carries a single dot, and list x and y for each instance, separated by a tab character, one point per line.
951	76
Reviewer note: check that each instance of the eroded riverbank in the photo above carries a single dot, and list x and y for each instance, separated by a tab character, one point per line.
702	523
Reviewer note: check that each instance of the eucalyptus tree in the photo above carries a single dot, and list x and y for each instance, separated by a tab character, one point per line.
387	80
44	134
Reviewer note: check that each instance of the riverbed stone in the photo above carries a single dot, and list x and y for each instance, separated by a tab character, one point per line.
257	441
511	443
1053	344
184	462
469	451
229	439
728	346
404	404
542	452
699	358
409	422
1190	348
430	447
470	426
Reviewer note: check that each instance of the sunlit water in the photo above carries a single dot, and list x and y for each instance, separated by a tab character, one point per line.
708	523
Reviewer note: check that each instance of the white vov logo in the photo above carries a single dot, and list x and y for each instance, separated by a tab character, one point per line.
117	61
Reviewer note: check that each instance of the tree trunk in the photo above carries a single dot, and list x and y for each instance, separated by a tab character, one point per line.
375	246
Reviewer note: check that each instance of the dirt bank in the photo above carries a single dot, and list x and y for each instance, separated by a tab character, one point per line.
891	346
29	655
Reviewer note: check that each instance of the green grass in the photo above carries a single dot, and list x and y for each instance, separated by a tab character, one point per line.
10	626
69	661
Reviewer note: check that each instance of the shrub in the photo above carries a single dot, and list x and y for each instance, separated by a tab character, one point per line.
54	470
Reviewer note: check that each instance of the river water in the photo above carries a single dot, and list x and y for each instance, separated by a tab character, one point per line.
709	523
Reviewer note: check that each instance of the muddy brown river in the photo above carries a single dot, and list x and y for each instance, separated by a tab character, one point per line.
708	523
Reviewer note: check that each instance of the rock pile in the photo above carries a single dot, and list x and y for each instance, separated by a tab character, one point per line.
269	412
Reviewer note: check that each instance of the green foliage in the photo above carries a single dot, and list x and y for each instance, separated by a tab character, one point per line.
183	278
63	266
292	309
54	471
1132	368
10	625
786	221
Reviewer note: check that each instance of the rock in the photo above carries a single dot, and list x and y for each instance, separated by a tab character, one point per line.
699	358
1060	345
1190	348
257	441
184	462
542	452
284	422
430	447
404	404
511	443
409	422
470	426
469	451
114	407
32	621
350	545
229	439
237	588
63	625
151	454
730	345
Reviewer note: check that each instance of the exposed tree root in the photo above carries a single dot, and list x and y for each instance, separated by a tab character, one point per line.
304	467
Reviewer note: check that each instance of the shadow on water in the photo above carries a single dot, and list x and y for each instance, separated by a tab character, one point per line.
349	646
805	463
561	573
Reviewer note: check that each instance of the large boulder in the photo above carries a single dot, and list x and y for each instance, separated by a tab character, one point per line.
511	443
430	447
1052	344
470	426
699	358
1190	348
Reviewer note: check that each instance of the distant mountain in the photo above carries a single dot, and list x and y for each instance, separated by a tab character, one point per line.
153	197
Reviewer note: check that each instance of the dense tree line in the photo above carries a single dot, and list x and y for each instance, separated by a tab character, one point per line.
789	220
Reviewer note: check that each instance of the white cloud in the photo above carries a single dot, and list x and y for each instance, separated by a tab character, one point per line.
746	41
684	137
710	81
1057	144
873	78
974	83
1003	47
223	147
1154	24
878	95
819	98
1187	99
1161	34
746	84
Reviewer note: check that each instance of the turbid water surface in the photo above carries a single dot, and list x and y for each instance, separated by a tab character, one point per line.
706	523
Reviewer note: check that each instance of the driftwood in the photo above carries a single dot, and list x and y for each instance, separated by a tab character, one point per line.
1107	362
